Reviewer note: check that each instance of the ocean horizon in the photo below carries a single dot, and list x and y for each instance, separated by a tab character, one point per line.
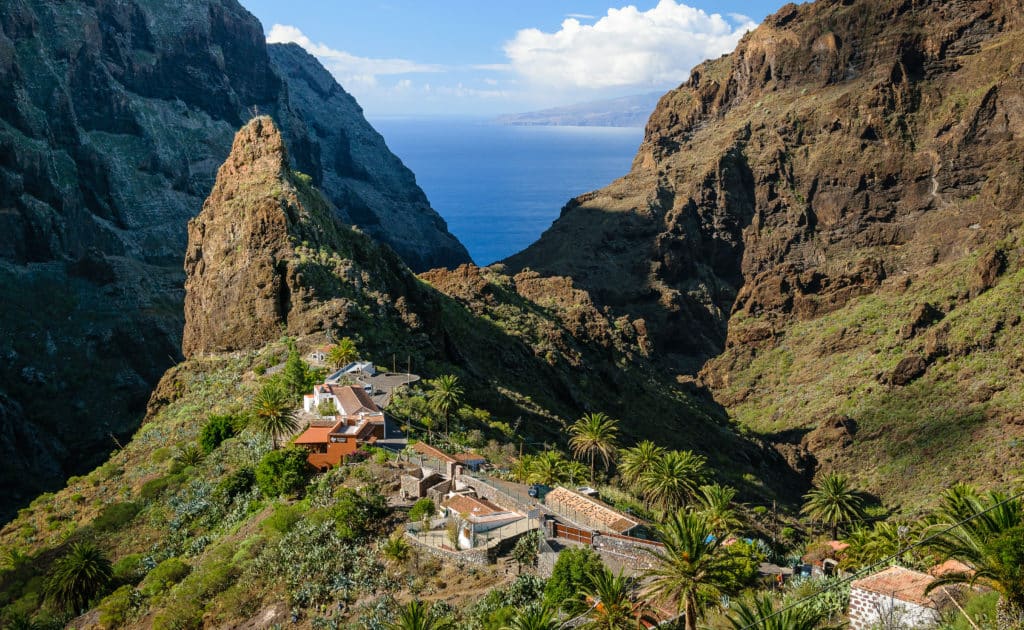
500	186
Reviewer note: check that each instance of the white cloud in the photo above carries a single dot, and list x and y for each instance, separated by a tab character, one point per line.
346	67
580	16
626	47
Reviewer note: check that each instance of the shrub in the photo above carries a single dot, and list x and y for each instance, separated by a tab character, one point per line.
118	607
237	482
188	456
422	510
164	575
129	569
115	516
217	429
282	472
284	517
355	513
160	455
571	574
156	487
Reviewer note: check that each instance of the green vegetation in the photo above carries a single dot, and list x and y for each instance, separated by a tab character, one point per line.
446	397
833	502
273	412
164	576
282	472
422	510
595	434
78	577
217	429
571	574
343	353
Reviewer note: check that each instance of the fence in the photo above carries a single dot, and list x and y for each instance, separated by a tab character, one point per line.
509	496
573	534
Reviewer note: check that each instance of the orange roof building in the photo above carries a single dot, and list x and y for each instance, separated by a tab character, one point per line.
358	420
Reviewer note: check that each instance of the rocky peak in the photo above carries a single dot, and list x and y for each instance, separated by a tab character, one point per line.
238	287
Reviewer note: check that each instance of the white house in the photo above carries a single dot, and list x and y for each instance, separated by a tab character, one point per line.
891	598
476	516
349	402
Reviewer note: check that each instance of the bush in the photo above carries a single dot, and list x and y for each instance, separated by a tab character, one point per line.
284	517
129	569
217	429
571	574
237	483
156	487
164	575
422	510
117	607
115	516
355	513
161	455
282	472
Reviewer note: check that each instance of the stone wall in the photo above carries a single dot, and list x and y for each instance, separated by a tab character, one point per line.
872	610
477	556
626	550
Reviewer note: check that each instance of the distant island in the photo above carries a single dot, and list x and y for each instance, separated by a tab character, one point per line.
625	111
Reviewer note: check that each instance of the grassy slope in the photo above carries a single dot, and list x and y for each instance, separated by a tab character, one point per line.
961	421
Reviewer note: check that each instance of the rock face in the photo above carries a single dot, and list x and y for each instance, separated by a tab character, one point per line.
266	256
794	200
114	120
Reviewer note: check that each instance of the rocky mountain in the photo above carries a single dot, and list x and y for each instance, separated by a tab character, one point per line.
825	224
115	118
266	257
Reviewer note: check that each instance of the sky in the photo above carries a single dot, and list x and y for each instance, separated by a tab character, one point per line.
480	57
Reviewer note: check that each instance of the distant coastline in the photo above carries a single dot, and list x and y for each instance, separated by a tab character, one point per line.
626	111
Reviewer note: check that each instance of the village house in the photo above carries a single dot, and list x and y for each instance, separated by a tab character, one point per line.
356	369
591	512
319	355
475	516
893	598
357	420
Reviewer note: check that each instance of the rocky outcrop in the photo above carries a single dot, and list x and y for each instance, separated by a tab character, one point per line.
793	201
114	120
831	151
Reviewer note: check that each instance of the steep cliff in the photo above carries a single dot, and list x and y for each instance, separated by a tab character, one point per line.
266	258
799	201
114	119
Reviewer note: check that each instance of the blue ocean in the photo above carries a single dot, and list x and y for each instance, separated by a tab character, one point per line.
499	187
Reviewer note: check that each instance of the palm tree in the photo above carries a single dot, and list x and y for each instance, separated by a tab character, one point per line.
417	615
673	479
592	435
760	614
575	472
693	567
833	502
535	618
395	548
638	460
78	576
715	502
548	468
988	536
613	603
343	353
273	413
446	396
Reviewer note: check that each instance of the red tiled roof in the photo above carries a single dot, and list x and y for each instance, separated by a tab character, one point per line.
316	435
897	582
354	400
425	449
466	458
463	504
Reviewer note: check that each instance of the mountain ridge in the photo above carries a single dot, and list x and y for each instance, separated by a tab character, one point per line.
118	117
